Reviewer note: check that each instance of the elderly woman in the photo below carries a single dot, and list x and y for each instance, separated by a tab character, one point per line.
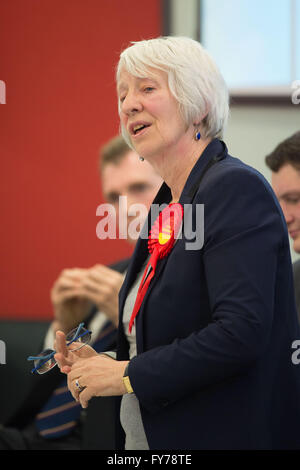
206	329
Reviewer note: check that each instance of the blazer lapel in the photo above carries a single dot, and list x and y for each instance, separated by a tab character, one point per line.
141	250
215	150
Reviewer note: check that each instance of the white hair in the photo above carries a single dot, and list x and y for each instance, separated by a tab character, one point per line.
193	78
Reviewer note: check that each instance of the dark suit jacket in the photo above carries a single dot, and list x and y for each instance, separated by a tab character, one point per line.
296	270
214	333
97	433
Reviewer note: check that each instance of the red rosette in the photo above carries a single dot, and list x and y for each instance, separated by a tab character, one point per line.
165	230
160	242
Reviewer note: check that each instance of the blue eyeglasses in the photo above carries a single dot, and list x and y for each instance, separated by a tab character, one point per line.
45	361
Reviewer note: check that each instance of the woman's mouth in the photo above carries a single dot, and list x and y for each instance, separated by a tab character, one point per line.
138	129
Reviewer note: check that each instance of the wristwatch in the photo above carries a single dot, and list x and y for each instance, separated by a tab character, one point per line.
126	380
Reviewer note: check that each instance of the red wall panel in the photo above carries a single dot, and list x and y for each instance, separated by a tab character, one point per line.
57	58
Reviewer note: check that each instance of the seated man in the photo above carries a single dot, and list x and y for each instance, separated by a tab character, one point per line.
49	418
284	162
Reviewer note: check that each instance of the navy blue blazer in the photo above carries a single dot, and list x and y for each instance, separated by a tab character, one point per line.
214	334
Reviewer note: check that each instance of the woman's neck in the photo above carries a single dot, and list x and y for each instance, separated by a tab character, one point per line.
175	169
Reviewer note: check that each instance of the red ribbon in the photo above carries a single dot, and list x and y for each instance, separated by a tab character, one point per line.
160	242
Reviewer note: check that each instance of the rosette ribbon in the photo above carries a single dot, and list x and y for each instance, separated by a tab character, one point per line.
161	240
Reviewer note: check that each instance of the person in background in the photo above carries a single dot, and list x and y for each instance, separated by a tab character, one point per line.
48	418
284	162
205	328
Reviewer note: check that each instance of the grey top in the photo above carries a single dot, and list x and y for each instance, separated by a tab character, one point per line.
130	413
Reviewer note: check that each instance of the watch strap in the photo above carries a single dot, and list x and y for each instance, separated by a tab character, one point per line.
126	380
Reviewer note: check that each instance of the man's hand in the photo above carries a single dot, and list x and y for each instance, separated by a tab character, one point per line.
69	304
101	285
77	289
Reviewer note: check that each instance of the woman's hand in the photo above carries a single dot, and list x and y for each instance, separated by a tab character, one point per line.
99	376
65	357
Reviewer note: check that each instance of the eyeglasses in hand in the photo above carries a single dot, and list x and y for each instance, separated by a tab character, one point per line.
75	340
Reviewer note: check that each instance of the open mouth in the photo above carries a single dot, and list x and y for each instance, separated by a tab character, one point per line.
139	128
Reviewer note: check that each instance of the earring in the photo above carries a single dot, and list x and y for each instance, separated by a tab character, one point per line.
141	159
197	136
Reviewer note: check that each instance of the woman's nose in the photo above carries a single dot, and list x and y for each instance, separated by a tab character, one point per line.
131	104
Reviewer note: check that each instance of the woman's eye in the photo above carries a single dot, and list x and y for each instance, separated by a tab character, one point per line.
122	98
148	89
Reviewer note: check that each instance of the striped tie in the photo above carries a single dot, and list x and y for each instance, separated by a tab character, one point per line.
61	413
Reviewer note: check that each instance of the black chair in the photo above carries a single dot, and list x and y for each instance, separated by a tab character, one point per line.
21	339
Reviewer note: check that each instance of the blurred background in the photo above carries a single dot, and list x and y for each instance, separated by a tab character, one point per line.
57	60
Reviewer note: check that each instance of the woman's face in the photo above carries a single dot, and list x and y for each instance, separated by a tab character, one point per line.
150	114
